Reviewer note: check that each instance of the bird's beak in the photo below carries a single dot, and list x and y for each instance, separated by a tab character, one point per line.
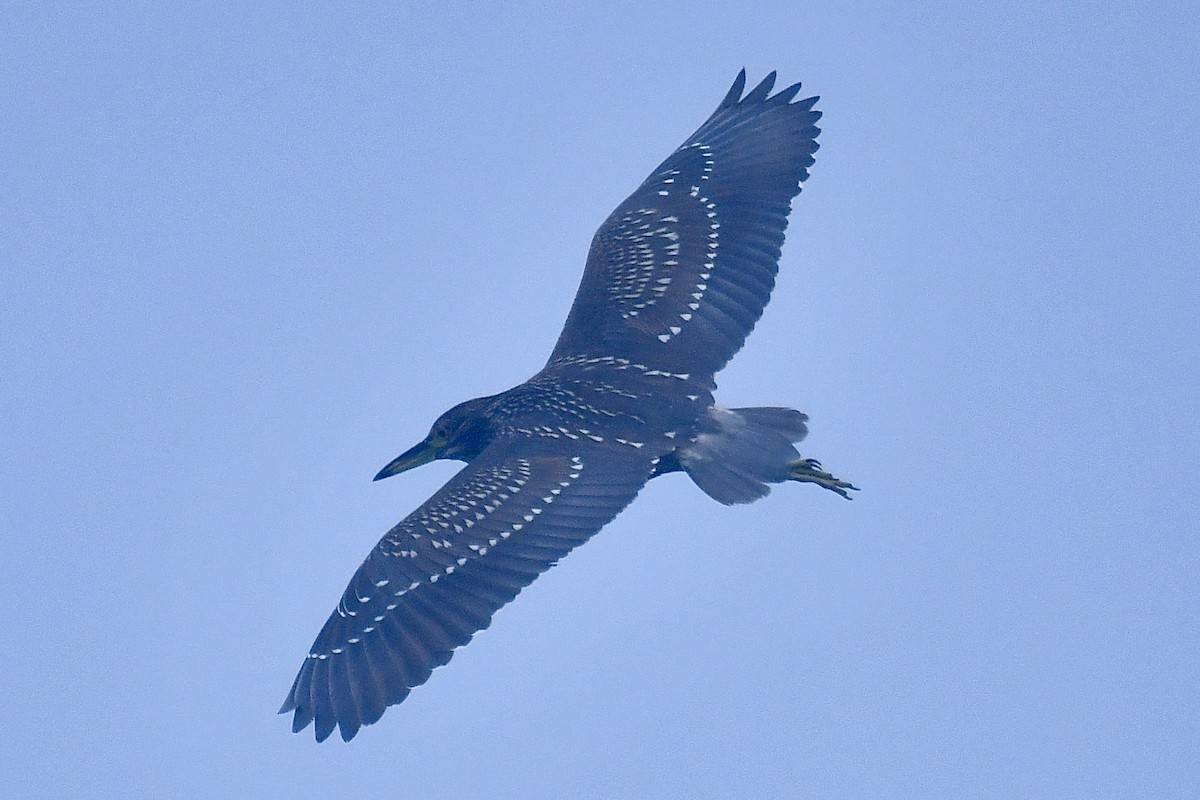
422	453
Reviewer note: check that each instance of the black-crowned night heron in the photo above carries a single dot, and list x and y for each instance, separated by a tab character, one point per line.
676	278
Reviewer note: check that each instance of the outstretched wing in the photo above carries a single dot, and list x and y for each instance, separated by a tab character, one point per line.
436	578
680	272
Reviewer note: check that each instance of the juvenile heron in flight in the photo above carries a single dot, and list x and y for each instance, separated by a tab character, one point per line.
675	280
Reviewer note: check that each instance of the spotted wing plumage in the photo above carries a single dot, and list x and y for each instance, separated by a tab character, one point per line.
680	272
437	577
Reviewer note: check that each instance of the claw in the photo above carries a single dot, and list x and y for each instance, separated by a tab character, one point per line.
808	470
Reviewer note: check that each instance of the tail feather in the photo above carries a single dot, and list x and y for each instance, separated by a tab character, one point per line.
737	452
786	422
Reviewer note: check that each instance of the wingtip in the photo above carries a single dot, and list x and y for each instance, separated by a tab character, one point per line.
807	104
324	727
347	732
735	92
785	96
759	93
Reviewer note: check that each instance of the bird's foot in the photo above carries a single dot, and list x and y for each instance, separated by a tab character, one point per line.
808	470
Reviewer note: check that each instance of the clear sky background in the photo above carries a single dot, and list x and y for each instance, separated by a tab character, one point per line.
248	256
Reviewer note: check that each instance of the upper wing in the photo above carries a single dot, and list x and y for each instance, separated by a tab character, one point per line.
437	577
680	272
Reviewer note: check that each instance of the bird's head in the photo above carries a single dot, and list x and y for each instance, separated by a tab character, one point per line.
459	434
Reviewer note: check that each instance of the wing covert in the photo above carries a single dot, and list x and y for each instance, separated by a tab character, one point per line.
680	272
437	577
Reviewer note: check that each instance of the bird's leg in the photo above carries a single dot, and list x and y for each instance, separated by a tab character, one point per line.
808	470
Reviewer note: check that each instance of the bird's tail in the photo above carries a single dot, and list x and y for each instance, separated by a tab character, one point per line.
737	452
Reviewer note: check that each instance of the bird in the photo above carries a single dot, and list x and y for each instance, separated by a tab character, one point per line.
675	279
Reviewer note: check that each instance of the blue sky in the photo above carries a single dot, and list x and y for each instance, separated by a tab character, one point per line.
250	255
